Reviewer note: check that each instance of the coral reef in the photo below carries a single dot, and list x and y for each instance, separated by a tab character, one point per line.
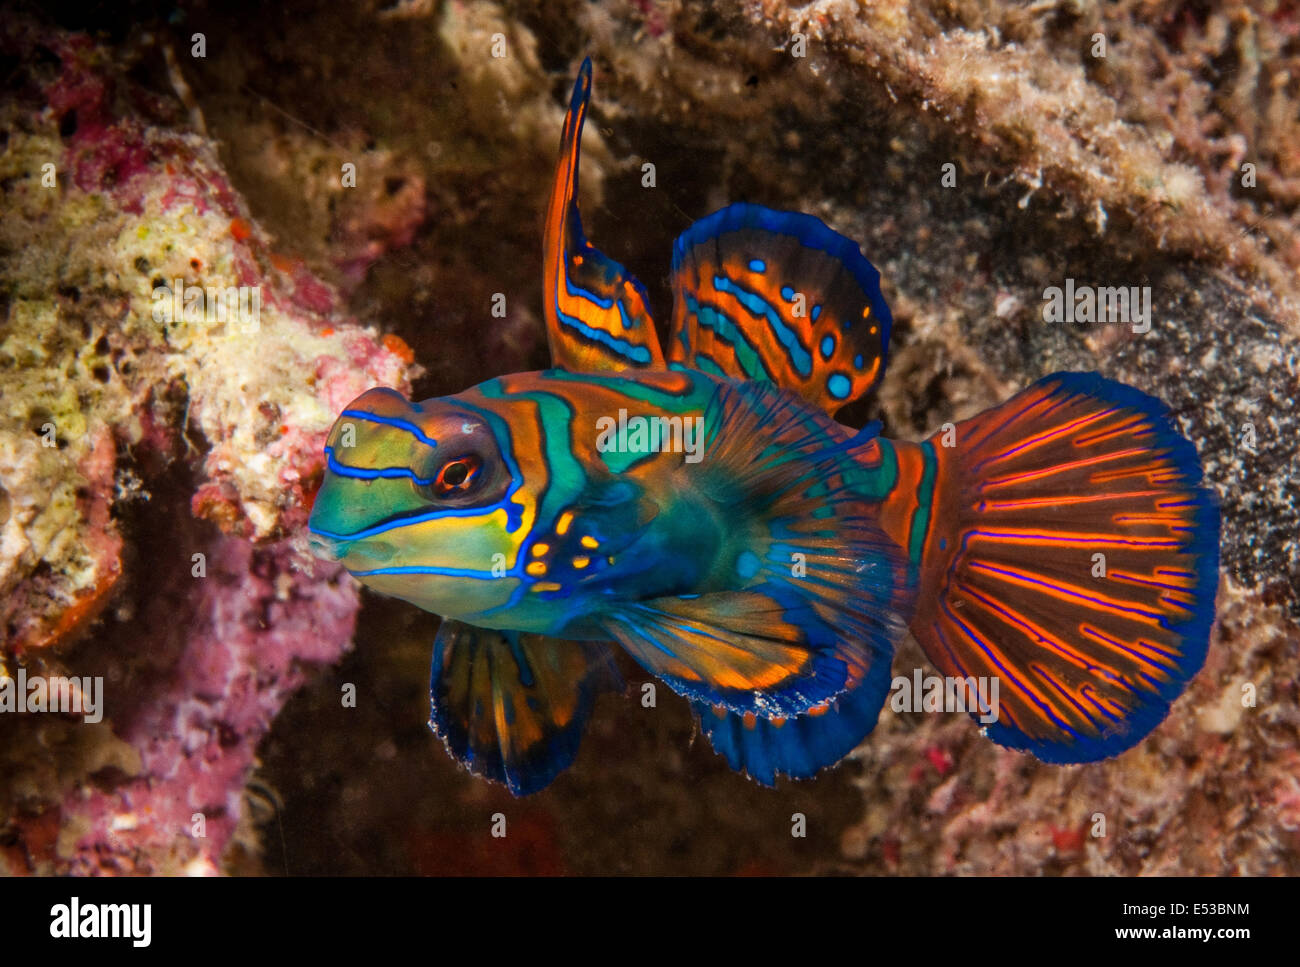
1119	167
123	360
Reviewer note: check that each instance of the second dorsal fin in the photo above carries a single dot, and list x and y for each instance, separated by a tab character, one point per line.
779	297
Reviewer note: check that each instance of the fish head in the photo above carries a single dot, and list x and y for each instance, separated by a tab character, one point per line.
420	502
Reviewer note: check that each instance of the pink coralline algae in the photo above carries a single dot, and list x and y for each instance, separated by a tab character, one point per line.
102	151
238	645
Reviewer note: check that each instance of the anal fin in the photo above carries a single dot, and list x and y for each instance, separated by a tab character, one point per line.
801	746
745	650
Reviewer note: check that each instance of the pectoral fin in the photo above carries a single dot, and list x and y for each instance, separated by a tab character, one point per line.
814	594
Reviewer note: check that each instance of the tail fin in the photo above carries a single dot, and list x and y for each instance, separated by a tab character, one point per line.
1073	555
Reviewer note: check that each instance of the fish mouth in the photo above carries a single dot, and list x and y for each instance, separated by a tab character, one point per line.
325	548
335	549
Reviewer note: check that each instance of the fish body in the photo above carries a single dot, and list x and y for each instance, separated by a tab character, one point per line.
700	508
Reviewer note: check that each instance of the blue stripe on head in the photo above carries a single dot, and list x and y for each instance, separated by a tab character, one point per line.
421	517
372	473
392	421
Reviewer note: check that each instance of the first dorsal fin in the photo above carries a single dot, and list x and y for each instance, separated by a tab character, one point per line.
597	315
778	297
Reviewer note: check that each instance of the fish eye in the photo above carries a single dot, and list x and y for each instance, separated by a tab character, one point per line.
457	476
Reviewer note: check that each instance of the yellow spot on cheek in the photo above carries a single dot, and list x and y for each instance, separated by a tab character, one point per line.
546	586
536	569
581	562
540	549
590	541
562	525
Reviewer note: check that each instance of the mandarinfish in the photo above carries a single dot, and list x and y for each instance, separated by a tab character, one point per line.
702	510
